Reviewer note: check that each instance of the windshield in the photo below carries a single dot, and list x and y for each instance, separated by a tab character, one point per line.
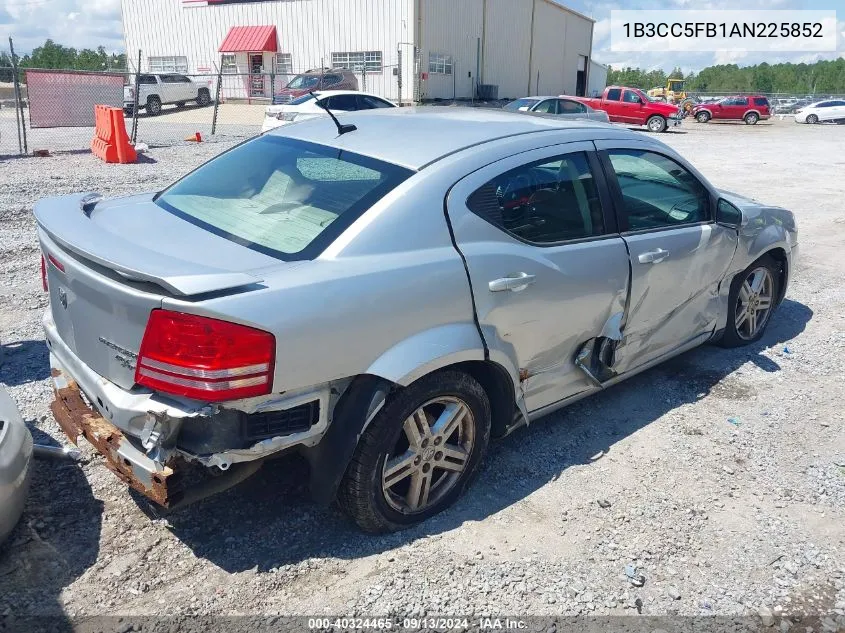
283	197
303	82
676	86
521	104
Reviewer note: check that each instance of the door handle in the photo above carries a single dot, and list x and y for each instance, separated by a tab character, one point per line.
653	257
515	283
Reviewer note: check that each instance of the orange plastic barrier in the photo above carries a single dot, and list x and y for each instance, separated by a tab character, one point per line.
111	142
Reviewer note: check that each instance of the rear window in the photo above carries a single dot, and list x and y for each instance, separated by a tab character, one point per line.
283	197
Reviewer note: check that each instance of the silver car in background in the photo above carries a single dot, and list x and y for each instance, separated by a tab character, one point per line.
558	106
386	295
15	464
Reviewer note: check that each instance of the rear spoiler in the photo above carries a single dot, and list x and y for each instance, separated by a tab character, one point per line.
64	222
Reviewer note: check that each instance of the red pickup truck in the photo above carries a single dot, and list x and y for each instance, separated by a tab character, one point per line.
631	105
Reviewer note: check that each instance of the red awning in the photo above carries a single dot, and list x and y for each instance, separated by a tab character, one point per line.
247	39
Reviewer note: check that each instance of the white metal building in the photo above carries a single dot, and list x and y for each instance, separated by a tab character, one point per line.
436	49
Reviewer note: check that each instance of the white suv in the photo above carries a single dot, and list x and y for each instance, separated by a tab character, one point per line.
155	91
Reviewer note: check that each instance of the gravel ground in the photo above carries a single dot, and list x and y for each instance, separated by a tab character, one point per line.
716	480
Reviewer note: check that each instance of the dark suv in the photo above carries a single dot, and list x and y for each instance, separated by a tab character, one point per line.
314	80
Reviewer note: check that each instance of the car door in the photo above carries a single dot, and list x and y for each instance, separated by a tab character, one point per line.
167	89
185	87
838	110
547	268
631	106
679	255
739	108
613	104
721	109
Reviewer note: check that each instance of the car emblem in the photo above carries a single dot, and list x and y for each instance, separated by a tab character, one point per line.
63	298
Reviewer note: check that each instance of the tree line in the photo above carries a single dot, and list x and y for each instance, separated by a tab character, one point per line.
53	55
822	77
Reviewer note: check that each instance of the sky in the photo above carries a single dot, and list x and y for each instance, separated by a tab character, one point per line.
92	23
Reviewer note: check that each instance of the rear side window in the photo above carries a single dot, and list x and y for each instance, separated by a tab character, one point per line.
570	107
342	102
613	94
545	202
520	105
280	196
656	191
761	101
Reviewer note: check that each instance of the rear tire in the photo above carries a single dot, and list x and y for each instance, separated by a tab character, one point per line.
656	123
744	299
203	97
379	500
812	119
702	117
751	118
153	105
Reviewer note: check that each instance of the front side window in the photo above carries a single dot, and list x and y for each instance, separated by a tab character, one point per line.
656	191
545	202
631	97
520	105
281	196
440	64
359	61
547	106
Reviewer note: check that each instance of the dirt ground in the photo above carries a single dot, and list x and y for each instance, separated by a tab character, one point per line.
724	470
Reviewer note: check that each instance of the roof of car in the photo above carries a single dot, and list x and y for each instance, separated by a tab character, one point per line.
416	137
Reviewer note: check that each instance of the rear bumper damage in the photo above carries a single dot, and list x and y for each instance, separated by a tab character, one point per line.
126	461
167	449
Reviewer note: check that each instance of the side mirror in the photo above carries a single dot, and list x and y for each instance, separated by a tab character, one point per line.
727	214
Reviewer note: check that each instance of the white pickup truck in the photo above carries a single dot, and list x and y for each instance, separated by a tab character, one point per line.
155	91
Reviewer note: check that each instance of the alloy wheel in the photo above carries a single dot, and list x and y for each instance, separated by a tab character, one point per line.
430	455
754	303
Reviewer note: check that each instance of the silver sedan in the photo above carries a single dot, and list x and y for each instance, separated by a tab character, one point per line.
387	292
557	106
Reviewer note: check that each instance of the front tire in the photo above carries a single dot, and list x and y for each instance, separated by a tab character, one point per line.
812	119
751	302
203	97
751	118
418	454
702	117
656	123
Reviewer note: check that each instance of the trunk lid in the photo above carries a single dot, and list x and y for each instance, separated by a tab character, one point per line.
120	258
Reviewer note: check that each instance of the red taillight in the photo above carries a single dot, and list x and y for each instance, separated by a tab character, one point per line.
56	263
43	274
206	359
